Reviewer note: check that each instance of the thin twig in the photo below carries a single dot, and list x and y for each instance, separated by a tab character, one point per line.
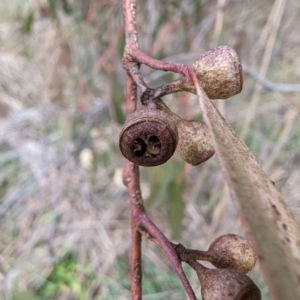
132	48
158	64
131	180
131	170
169	250
273	86
138	78
136	262
131	95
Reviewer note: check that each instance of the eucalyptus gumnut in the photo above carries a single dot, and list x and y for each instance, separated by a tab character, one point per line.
232	251
225	284
220	284
149	137
229	251
194	141
219	72
194	144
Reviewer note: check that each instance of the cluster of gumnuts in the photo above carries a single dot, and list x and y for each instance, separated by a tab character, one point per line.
233	257
150	137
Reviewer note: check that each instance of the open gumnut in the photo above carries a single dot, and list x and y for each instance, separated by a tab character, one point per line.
148	137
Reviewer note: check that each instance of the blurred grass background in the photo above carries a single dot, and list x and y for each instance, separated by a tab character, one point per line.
65	216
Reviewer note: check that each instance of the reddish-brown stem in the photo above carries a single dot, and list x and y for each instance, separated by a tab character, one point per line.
200	255
136	238
131	176
189	254
131	95
136	262
132	58
138	78
131	171
186	256
142	219
178	85
129	13
168	88
129	10
131	180
153	63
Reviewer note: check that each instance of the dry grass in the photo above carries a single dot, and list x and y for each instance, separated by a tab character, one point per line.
61	90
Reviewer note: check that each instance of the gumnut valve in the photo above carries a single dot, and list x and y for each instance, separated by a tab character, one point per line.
149	137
